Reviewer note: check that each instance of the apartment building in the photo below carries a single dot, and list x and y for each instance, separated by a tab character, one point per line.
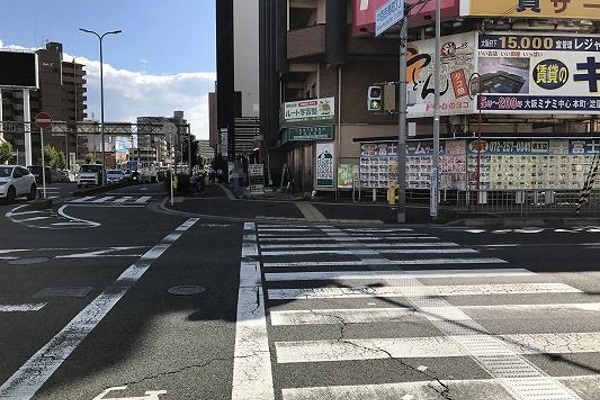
153	145
62	94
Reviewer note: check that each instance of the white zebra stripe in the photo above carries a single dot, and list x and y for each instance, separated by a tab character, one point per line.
372	246
21	307
388	275
422	291
366	261
434	347
123	199
102	199
387	315
339	250
479	389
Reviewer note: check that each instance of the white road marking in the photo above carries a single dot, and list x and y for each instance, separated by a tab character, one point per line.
123	199
8	251
252	377
148	395
21	307
372	246
13	213
33	219
143	199
387	275
479	389
391	315
488	351
83	199
24	383
102	252
103	199
346	238
425	291
434	347
366	261
77	221
340	250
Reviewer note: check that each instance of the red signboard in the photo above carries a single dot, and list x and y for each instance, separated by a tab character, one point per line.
363	23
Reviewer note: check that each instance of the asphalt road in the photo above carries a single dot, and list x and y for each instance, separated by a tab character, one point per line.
112	291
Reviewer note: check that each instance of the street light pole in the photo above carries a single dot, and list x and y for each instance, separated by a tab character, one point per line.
100	37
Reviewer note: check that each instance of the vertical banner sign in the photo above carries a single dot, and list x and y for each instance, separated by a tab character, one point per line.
324	164
458	63
256	177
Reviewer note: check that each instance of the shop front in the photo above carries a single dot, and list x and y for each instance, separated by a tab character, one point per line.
307	137
557	165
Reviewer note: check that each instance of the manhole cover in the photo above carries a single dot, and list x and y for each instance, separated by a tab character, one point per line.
186	290
25	261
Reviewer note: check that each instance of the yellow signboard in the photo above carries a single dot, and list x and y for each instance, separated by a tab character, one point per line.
544	9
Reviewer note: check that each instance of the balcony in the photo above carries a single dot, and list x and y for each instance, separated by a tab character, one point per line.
306	44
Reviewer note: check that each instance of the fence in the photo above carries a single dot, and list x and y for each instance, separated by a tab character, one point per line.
525	203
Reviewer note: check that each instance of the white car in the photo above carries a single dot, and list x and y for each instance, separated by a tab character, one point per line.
16	181
89	175
115	175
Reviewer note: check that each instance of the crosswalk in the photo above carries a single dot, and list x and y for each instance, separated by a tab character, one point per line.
389	313
115	201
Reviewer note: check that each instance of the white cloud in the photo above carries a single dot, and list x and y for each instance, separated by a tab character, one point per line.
129	94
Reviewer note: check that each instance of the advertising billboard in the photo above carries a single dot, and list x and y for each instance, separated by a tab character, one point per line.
516	72
421	13
18	70
539	73
309	110
458	63
543	9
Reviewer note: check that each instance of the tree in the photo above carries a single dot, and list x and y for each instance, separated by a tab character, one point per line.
53	158
6	152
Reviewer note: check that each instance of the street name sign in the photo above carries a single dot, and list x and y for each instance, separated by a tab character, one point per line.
388	15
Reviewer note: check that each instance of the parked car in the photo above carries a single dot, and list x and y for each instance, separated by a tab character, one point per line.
36	170
16	181
90	175
115	175
61	176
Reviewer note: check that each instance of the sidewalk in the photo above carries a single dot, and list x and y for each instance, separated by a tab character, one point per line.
219	201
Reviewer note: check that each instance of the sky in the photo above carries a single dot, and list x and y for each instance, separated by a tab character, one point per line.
163	61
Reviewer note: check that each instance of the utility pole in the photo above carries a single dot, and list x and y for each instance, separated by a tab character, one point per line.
402	125
435	168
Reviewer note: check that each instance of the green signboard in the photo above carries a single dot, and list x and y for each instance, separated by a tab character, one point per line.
310	133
